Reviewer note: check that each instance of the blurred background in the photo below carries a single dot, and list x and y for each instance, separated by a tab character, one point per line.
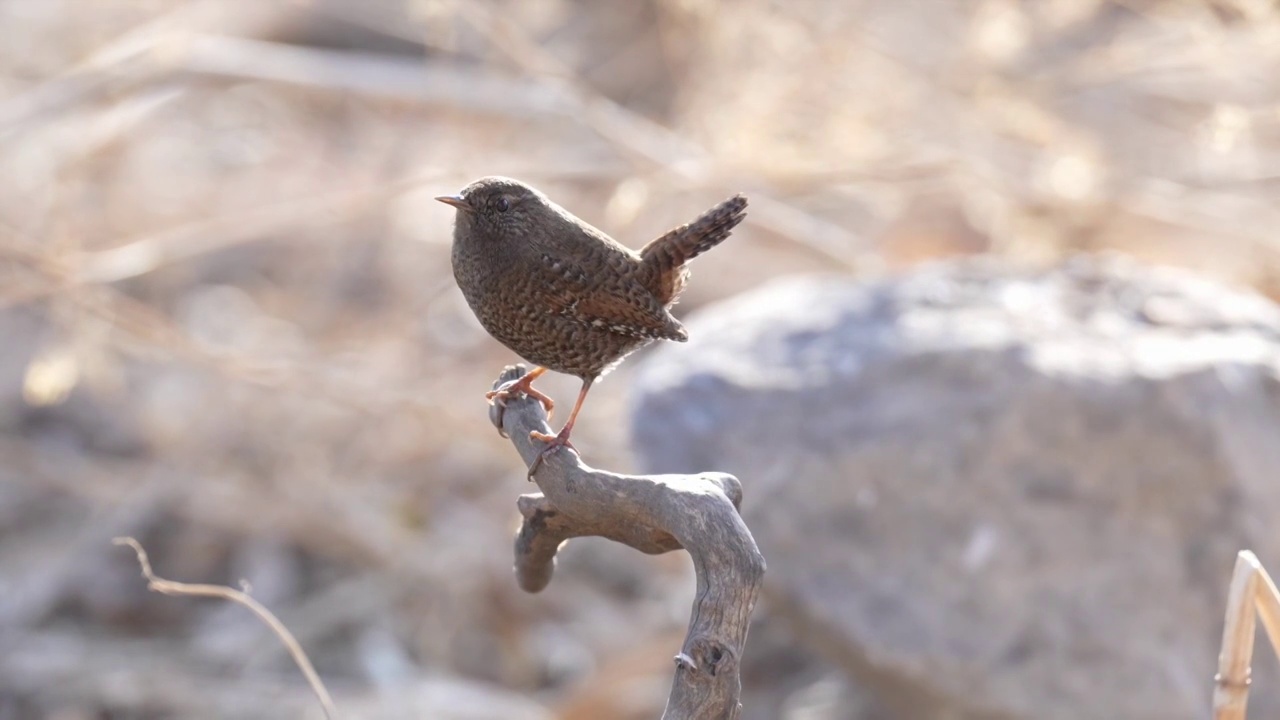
228	324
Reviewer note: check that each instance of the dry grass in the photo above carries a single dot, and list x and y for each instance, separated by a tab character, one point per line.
231	331
1252	595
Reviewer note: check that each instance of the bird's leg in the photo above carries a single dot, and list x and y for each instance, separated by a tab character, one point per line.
560	439
524	384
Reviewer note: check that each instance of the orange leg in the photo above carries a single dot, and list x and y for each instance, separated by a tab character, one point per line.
524	384
560	439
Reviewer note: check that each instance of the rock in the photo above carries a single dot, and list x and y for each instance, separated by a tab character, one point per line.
782	680
154	678
988	493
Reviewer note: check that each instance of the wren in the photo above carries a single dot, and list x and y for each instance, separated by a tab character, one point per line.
562	294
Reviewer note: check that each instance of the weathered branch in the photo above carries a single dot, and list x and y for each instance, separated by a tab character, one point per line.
653	514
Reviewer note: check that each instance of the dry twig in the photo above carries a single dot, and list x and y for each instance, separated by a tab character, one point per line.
653	514
170	587
1251	591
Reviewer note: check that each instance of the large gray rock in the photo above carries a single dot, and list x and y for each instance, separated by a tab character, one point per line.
993	494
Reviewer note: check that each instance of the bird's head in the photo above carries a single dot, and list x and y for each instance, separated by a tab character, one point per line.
498	207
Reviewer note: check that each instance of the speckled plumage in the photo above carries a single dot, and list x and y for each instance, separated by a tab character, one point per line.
562	294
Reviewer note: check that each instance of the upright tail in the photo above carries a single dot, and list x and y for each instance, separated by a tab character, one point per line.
664	258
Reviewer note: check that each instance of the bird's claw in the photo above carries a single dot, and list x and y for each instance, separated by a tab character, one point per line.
497	414
554	442
522	386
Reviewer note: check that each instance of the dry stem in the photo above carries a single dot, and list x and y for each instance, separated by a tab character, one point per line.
1251	591
171	587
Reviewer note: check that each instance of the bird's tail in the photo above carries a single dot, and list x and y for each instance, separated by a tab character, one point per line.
663	258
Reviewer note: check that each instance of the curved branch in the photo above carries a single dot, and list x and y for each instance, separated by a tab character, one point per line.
653	514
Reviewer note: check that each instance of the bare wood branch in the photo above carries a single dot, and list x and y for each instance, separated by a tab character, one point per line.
653	514
170	587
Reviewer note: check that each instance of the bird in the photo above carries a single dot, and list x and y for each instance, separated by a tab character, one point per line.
562	294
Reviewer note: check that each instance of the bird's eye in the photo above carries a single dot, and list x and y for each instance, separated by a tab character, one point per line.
503	204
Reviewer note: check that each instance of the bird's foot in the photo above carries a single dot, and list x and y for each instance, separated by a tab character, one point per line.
522	385
554	442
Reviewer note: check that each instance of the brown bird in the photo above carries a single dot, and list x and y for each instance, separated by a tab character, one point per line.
564	295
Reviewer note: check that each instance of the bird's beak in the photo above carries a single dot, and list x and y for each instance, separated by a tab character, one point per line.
457	201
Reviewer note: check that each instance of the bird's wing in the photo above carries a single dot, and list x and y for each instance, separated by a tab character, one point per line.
596	285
